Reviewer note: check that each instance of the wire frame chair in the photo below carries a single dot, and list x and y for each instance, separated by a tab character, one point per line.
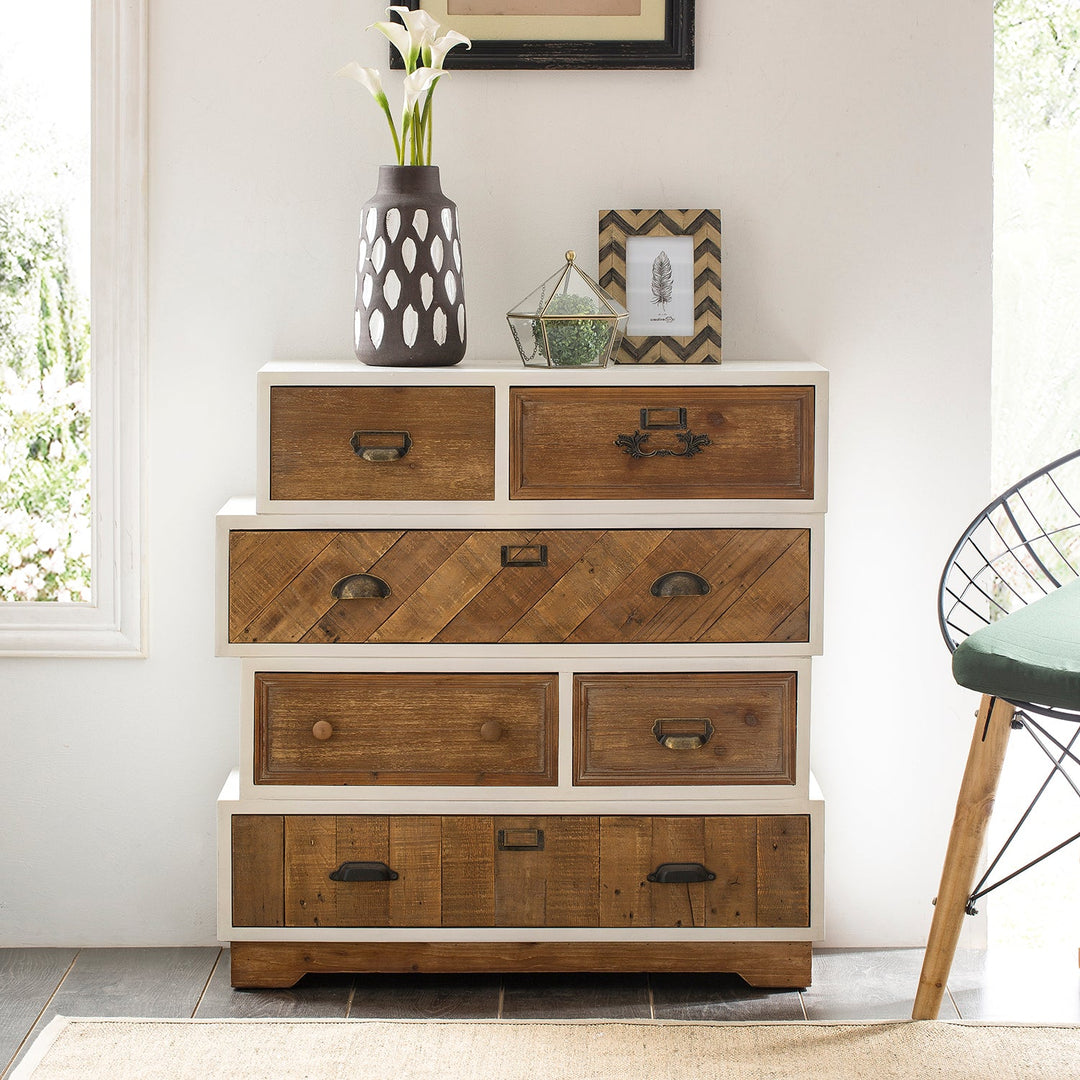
1022	546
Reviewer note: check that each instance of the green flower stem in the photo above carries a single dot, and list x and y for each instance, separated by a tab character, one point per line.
393	129
428	123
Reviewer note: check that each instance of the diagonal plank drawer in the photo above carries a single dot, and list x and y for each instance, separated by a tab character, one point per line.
321	870
572	586
377	728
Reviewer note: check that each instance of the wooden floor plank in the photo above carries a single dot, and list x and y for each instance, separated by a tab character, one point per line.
315	997
719	997
28	978
575	997
425	997
868	984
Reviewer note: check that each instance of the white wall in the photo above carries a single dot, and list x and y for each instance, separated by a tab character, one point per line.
849	149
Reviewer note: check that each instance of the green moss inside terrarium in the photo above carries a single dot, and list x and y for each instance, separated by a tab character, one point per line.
573	342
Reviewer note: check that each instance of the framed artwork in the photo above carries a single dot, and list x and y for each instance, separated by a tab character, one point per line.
664	266
566	33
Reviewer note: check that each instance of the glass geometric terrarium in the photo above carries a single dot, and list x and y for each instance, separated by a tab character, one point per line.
569	321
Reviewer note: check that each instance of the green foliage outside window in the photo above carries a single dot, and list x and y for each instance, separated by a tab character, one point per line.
44	381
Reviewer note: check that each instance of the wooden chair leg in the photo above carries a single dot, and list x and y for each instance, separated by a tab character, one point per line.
973	808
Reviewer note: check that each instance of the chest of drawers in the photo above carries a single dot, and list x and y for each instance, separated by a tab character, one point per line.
526	672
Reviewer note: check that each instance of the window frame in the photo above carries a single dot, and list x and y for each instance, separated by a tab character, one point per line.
114	622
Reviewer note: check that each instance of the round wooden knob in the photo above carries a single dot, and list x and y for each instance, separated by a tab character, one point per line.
491	731
322	730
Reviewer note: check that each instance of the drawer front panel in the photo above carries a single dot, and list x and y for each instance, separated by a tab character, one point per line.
363	729
736	442
472	870
685	728
705	871
382	442
517	586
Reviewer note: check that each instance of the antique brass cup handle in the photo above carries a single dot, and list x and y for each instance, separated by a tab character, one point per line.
677	733
377	446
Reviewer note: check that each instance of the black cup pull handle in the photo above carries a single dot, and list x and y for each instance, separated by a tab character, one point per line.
680	583
378	446
363	871
360	587
674	873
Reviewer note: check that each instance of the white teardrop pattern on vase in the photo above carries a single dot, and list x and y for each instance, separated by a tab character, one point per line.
410	325
438	326
408	253
451	287
457	255
375	327
391	289
393	223
361	255
447	221
365	290
420	223
358	328
427	290
461	321
369	225
378	254
436	252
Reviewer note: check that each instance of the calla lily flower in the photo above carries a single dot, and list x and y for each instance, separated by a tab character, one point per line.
423	45
435	52
408	46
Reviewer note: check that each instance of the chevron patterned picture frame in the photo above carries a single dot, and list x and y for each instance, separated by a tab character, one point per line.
664	266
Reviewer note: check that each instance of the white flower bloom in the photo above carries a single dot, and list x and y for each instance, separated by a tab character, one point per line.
435	53
418	84
408	46
422	26
368	78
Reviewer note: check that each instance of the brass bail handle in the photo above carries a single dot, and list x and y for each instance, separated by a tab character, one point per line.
380	446
677	733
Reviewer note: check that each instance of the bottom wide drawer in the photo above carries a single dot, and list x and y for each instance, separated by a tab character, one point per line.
365	870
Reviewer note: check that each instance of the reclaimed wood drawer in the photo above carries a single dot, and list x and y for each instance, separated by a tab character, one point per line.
471	870
705	871
415	870
382	442
719	442
685	728
573	586
354	728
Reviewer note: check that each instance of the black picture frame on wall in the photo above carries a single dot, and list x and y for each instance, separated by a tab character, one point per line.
675	51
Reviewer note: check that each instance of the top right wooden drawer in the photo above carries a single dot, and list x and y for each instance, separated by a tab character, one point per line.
717	442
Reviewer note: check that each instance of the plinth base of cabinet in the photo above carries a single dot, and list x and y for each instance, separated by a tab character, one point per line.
281	964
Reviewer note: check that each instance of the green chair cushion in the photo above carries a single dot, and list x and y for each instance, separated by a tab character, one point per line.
1032	654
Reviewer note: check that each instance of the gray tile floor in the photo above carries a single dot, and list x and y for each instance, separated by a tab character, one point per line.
878	984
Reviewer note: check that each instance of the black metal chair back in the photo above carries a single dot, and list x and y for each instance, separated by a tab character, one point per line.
1022	546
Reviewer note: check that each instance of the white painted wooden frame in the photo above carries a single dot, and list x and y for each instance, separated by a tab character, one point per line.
502	377
114	622
563	797
230	802
645	514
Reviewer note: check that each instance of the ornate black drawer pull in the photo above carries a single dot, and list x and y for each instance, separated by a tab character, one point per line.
360	587
680	583
633	445
675	873
363	871
376	446
676	733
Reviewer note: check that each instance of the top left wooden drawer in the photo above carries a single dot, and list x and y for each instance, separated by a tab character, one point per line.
382	442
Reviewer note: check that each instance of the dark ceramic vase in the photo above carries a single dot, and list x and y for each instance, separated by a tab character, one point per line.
410	300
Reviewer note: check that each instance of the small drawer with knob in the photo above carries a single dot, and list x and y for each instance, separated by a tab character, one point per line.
393	443
383	728
723	728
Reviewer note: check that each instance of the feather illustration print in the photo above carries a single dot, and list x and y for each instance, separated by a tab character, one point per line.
661	281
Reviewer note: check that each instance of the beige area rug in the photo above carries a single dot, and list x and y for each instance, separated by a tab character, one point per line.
115	1049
